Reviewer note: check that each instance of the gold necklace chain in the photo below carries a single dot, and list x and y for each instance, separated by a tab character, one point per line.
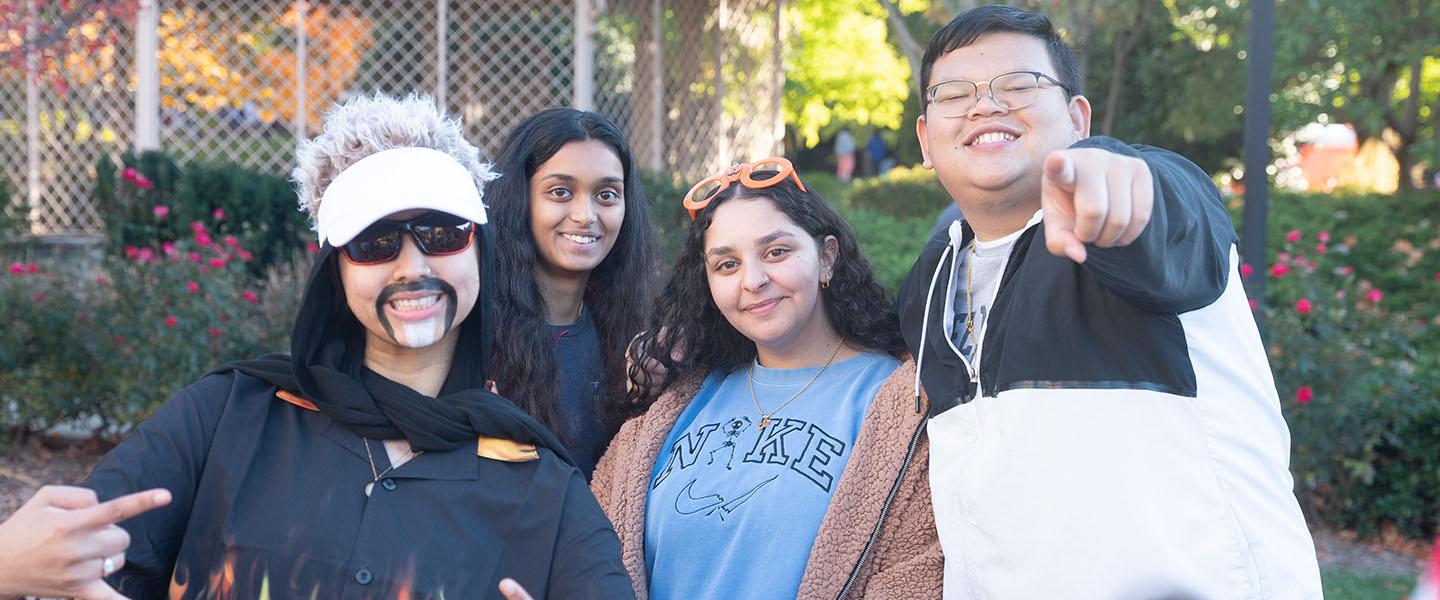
969	312
371	457
764	416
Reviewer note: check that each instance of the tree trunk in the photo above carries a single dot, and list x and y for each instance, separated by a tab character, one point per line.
1406	127
908	45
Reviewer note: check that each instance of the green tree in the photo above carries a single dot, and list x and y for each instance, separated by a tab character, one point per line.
1374	64
841	68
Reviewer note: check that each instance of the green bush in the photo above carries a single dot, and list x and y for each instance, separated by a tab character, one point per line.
149	200
111	341
1360	390
903	193
890	244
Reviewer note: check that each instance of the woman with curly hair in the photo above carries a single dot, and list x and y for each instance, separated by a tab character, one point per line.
785	456
575	266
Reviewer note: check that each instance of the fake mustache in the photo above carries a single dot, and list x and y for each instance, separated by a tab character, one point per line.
424	285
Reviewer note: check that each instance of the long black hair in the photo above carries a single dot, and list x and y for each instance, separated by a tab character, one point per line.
619	288
687	321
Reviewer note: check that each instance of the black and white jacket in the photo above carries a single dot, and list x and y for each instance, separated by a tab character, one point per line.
1123	437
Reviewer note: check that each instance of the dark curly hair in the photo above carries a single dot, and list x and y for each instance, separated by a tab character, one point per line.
857	306
523	358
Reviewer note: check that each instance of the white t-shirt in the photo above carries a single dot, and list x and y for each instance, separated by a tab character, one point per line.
983	283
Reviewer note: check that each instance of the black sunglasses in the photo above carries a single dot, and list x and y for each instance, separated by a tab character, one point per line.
437	234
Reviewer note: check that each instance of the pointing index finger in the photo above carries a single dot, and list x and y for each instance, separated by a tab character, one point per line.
124	507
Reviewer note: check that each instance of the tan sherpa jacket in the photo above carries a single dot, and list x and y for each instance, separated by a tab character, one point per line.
904	561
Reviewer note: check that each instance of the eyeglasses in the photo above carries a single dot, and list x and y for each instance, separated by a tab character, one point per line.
436	234
1010	91
774	169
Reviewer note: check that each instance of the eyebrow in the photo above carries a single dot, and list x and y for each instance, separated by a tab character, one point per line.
572	179
768	238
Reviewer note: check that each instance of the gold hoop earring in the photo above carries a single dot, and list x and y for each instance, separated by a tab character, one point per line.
825	285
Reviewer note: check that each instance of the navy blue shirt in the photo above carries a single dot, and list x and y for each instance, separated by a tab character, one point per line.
577	353
270	495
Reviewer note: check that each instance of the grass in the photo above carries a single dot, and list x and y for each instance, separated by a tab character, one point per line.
1343	584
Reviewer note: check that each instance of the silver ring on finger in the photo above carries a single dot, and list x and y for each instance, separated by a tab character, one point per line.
110	565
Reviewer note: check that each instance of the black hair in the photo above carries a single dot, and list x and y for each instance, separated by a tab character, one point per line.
618	290
964	29
686	316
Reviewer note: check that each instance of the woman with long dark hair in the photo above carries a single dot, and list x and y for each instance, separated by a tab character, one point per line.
786	454
575	263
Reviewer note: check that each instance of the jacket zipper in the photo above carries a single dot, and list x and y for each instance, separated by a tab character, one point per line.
885	508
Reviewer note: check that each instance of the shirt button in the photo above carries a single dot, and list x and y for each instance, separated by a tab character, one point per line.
363	576
388	484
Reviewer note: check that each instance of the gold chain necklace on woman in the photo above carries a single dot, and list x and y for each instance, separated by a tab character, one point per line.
371	457
764	416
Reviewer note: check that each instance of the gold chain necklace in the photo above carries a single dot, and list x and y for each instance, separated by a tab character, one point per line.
371	457
969	312
764	416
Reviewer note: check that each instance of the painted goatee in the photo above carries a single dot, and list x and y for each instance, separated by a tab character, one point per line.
414	336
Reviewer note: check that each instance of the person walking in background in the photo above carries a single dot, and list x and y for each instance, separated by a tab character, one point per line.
1097	383
785	457
877	151
844	155
575	274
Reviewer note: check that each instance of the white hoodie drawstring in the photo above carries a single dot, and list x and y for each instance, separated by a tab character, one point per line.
925	319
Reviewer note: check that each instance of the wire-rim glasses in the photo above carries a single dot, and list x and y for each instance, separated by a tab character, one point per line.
1011	91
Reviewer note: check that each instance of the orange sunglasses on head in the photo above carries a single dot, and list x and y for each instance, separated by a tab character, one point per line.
741	173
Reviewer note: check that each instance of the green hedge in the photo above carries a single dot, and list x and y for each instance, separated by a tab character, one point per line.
149	200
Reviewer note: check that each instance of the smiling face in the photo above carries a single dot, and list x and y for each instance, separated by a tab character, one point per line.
989	152
577	205
765	272
414	301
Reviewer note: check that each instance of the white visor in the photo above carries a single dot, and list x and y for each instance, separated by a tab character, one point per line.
391	181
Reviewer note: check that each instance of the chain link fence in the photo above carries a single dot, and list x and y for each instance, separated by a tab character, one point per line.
696	84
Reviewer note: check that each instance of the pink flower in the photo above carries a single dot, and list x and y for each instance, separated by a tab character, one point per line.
161	210
219	214
168	247
313	249
132	252
145	255
1293	236
218	263
194	257
1279	269
171	322
1283	257
1246	270
202	238
102	280
32	268
1437	277
17	268
39	296
1339	293
1302	306
192	286
244	254
1320	248
250	297
1304	395
144	183
129	174
215	332
197	226
1374	296
1254	304
225	318
231	241
1345	270
1323	236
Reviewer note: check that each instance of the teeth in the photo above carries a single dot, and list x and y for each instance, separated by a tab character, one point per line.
992	137
580	239
414	303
